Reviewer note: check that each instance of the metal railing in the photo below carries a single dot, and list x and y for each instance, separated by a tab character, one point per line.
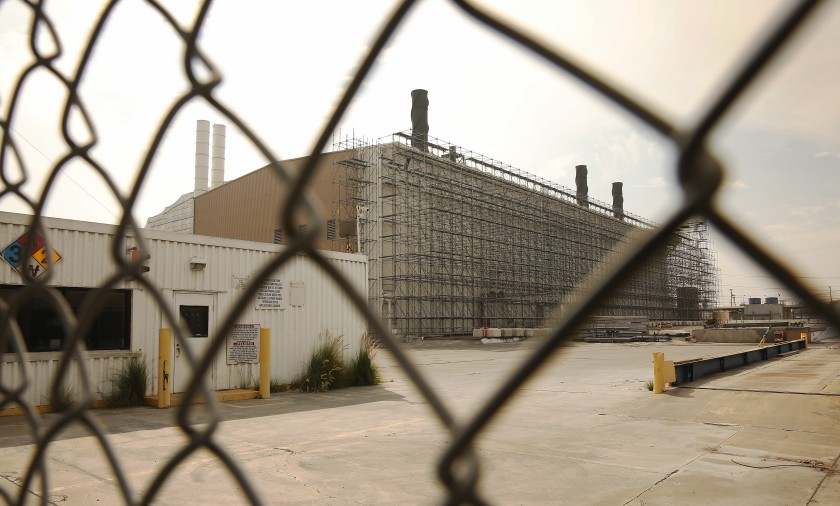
700	175
689	370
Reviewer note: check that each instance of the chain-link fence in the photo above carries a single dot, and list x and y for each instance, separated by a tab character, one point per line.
700	175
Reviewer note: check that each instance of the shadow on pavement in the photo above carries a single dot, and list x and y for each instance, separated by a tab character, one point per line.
16	430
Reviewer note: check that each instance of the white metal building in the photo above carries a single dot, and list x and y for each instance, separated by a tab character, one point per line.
200	277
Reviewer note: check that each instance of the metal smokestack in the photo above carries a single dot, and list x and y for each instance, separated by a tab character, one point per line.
202	154
420	119
582	187
218	171
618	200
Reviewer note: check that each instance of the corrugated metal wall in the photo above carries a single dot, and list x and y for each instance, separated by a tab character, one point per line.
40	369
220	212
86	251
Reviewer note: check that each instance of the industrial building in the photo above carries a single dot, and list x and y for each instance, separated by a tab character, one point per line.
199	278
770	309
456	240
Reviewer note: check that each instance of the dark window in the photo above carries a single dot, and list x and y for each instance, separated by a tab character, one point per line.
196	319
41	326
278	236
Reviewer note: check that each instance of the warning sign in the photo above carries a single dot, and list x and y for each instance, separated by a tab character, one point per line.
243	344
37	262
271	295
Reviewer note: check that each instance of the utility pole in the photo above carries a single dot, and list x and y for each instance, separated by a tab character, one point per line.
830	300
731	297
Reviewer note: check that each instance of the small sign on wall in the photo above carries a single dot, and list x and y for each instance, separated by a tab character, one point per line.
239	282
271	295
298	295
243	344
40	259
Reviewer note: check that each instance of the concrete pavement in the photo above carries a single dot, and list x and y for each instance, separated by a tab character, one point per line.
584	431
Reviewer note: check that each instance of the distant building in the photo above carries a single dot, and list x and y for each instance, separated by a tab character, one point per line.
457	240
177	217
770	310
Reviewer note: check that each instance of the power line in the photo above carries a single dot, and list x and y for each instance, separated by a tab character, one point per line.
774	277
65	174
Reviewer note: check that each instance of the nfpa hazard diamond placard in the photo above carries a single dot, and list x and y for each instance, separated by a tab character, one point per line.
32	266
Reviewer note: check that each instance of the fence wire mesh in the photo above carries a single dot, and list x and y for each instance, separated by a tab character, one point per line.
700	175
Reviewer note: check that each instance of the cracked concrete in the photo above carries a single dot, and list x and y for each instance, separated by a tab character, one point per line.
584	431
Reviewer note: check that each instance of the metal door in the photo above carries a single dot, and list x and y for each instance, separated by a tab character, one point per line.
196	311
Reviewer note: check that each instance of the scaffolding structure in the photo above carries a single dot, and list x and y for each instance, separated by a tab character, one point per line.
457	241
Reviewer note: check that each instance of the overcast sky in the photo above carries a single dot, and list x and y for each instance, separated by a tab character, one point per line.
285	65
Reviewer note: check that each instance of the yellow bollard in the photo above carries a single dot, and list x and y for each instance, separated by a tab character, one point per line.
164	367
265	363
658	372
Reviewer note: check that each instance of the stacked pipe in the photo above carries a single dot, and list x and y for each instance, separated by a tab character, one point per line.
582	187
202	155
218	168
618	200
420	119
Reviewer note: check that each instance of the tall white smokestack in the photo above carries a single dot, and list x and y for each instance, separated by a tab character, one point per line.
202	154
217	174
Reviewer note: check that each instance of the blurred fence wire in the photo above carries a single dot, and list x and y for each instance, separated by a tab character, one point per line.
699	172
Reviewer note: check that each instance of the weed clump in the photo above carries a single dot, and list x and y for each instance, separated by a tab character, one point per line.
61	398
362	371
128	385
327	369
324	370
